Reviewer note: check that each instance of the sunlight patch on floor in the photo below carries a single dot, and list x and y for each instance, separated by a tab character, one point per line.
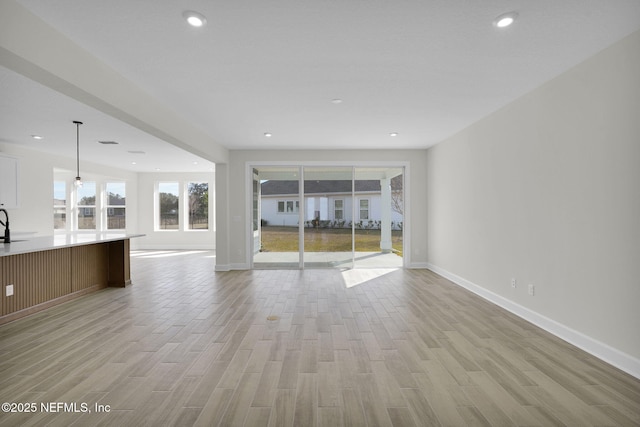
357	276
163	254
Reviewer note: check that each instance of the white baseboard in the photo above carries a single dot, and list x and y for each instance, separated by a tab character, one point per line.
417	265
615	357
229	267
240	266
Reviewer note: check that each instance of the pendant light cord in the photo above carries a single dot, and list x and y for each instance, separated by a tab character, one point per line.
77	148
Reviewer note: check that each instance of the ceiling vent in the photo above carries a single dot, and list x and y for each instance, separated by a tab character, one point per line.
136	152
108	142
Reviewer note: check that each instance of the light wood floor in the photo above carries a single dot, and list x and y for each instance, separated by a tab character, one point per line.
186	346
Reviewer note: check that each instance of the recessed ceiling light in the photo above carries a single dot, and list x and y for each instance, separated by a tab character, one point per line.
194	19
336	101
393	134
505	19
268	134
157	169
133	163
36	137
195	163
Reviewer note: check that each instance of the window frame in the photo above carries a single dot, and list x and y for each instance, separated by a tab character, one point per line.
108	207
336	209
158	212
64	207
187	222
361	209
78	208
295	206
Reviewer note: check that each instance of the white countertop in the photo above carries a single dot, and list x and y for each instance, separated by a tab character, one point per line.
24	244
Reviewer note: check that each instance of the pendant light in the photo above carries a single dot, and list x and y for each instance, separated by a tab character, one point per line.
78	182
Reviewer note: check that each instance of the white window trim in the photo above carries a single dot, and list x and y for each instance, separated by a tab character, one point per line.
295	203
183	206
77	206
107	206
186	208
360	208
336	209
66	207
156	207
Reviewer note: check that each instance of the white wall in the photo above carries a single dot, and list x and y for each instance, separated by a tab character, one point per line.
35	188
172	239
232	240
547	191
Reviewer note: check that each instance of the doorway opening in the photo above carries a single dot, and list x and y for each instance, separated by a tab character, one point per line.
328	216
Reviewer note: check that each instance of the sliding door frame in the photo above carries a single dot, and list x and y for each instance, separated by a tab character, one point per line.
250	165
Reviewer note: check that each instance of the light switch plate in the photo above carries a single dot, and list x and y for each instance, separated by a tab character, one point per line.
9	290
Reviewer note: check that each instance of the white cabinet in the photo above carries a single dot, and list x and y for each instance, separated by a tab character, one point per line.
8	182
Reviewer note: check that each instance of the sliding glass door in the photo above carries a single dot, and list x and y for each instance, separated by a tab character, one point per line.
328	237
378	217
327	216
276	217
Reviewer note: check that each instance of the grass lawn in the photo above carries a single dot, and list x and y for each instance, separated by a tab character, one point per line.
285	239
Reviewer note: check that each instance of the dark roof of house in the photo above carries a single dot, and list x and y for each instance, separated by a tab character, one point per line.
272	187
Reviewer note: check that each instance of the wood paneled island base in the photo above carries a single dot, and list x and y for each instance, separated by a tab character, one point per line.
44	278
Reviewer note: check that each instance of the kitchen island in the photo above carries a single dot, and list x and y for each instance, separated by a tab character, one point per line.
40	272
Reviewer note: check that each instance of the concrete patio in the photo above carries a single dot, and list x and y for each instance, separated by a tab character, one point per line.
327	260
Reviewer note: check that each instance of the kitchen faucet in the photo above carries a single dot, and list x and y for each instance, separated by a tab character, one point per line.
7	233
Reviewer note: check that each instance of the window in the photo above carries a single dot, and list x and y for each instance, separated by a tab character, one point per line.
59	205
198	193
95	205
364	209
87	206
338	209
288	206
168	205
116	209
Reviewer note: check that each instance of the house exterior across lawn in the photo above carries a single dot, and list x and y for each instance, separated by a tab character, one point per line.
330	203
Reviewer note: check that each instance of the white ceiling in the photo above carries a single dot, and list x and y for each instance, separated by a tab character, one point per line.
28	108
422	68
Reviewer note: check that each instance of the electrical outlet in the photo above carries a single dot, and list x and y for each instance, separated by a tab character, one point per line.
532	290
9	290
513	283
